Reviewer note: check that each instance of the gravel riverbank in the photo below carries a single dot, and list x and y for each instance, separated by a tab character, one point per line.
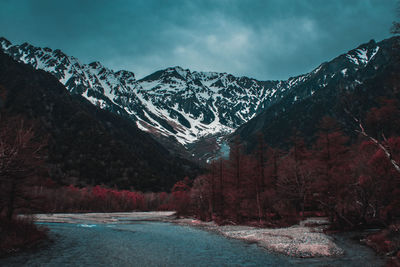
301	240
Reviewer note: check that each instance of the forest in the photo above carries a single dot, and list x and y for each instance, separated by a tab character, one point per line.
354	181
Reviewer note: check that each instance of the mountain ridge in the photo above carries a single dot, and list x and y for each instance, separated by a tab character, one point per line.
87	145
189	105
358	80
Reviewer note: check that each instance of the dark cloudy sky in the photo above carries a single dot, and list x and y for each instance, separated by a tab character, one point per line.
264	39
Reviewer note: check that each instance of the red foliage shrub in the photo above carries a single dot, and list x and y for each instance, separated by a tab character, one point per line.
101	199
181	196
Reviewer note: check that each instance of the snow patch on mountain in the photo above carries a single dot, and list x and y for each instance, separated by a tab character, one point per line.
176	102
362	56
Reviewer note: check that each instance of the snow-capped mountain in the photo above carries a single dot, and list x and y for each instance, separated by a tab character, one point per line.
356	81
187	104
86	145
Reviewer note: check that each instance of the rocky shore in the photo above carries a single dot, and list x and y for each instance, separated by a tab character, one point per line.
304	240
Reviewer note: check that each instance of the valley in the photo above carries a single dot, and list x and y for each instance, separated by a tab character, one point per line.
176	166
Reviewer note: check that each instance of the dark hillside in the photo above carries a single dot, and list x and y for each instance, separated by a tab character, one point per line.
87	145
378	79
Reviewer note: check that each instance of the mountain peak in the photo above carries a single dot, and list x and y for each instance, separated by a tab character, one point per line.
188	105
95	65
177	68
5	43
181	71
125	74
363	54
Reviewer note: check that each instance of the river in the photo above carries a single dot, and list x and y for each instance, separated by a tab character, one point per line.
149	243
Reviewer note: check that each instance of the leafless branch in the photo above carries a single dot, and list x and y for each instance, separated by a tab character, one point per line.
381	145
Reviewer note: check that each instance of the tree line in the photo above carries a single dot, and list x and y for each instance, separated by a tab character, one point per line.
353	182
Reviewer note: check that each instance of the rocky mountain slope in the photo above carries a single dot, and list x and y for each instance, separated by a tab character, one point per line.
188	105
355	81
86	145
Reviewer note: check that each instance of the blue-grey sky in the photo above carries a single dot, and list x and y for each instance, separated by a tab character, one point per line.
264	39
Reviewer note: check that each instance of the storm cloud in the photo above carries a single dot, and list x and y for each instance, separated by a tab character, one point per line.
272	39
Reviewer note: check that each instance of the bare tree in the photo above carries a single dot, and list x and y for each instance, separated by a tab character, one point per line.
20	162
383	145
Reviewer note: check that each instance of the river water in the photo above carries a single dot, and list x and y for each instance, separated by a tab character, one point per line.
143	243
